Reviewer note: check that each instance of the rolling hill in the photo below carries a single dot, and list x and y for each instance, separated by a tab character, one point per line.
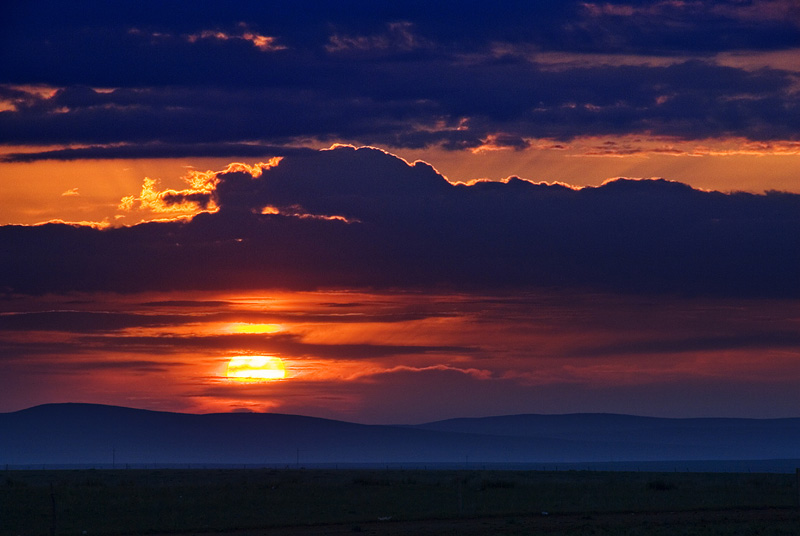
66	434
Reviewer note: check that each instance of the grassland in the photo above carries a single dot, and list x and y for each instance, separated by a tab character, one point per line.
267	501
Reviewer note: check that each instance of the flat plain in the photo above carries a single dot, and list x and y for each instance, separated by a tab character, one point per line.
299	502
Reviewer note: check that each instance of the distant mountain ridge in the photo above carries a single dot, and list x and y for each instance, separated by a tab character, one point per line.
97	434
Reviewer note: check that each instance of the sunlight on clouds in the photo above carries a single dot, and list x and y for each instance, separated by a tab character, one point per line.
724	164
35	191
626	146
446	329
563	61
255	170
787	60
749	60
264	43
296	212
325	370
26	95
255	368
478	374
347	348
360	371
187	202
105	224
245	327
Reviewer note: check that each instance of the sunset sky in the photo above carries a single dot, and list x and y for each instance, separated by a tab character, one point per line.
423	209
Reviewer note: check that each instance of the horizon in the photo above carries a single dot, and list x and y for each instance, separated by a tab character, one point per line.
89	434
478	417
402	211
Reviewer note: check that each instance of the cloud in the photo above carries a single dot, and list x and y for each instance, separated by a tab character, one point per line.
404	225
156	150
81	321
403	76
167	201
399	36
284	345
761	340
264	43
477	374
426	102
372	181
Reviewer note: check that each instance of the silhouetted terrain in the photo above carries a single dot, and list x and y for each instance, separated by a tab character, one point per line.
96	434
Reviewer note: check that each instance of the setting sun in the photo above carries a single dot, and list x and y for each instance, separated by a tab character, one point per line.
255	368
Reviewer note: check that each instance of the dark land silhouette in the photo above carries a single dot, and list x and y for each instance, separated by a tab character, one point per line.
74	434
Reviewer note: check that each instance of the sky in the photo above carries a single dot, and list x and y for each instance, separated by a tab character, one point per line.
413	210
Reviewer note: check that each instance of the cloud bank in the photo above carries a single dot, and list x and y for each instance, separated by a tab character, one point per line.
363	218
89	79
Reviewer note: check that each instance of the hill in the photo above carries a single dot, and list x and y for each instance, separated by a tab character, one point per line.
95	434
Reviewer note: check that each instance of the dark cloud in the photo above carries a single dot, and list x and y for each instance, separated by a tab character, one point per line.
742	341
372	184
285	345
627	26
81	321
195	81
280	344
129	366
157	150
412	104
364	218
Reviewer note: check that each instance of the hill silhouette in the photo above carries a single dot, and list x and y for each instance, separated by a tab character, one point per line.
96	434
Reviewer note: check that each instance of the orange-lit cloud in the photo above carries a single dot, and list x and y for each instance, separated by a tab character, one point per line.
197	197
255	368
104	224
298	212
264	43
250	327
639	146
171	351
151	198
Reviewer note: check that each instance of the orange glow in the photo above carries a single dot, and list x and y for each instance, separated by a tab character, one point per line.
244	327
51	190
345	351
255	368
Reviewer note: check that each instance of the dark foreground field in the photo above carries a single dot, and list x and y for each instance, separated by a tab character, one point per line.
395	502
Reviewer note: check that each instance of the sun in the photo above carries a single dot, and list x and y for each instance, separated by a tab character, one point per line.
255	368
